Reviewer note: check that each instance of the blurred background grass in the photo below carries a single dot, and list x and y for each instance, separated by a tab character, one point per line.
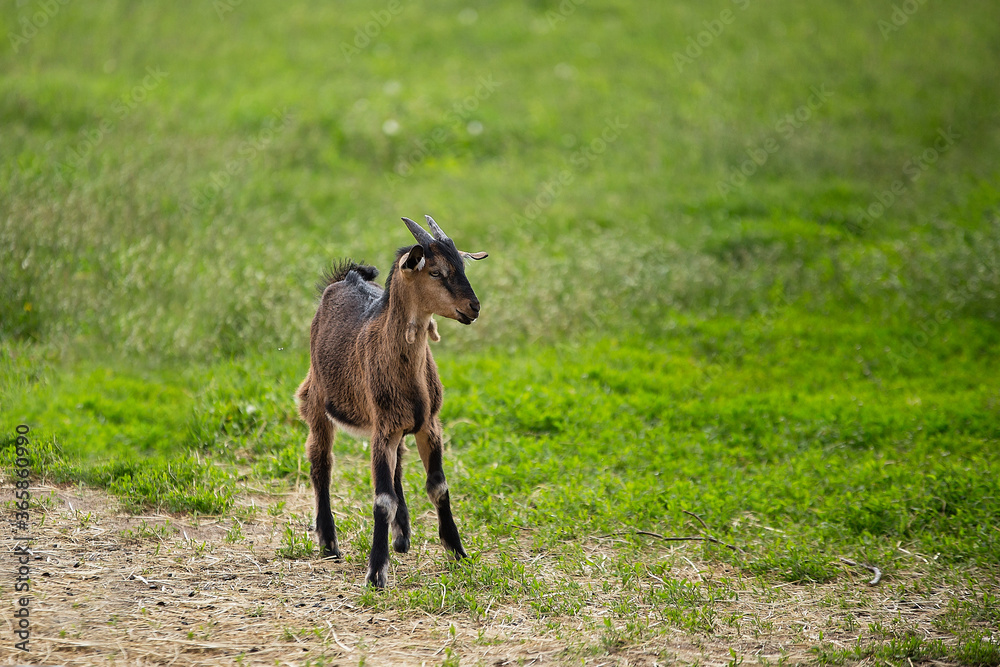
116	237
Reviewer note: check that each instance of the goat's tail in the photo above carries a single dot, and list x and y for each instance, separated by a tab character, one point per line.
339	270
302	395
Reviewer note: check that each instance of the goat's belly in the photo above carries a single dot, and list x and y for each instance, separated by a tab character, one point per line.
347	421
353	429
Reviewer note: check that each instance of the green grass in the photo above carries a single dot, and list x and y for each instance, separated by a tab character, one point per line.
296	543
595	436
804	364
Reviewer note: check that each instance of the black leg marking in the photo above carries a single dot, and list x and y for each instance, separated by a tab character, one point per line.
378	559
318	450
447	530
401	523
384	510
437	491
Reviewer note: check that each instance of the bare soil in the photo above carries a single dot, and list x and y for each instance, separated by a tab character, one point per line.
188	597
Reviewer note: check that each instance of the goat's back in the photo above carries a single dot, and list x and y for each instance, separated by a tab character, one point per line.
343	310
336	369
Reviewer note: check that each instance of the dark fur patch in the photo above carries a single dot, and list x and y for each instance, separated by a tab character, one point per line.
382	479
447	530
418	416
384	399
340	416
449	253
339	270
456	282
435	471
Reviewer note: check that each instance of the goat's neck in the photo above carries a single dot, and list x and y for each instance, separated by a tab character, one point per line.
406	324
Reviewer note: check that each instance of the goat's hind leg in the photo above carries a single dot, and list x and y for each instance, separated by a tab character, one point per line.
431	451
318	444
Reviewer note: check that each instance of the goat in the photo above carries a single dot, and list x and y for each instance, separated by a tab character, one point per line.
371	373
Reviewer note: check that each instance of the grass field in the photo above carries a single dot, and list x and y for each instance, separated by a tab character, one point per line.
744	283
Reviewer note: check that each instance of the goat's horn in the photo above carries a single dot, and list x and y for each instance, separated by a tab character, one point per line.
419	233
438	232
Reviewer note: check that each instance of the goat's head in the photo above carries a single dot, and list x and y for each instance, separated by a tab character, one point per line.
436	268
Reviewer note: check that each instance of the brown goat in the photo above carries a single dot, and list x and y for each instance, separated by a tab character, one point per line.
371	373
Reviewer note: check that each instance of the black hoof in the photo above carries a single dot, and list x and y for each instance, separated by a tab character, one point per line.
452	542
330	551
376	578
401	544
455	549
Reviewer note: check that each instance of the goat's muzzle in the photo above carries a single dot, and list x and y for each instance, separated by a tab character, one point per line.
472	316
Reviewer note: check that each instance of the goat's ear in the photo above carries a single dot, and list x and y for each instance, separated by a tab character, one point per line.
412	260
474	255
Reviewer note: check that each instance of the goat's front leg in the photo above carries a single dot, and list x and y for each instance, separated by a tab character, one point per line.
384	446
401	523
431	450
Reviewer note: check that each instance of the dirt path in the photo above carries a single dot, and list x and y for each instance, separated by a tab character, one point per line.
110	588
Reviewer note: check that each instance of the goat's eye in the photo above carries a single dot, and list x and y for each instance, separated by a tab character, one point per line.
435	274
